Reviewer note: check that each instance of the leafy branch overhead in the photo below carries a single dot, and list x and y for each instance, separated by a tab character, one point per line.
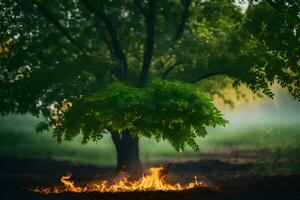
102	55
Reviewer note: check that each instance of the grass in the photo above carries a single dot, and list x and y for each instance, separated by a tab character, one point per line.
279	142
276	146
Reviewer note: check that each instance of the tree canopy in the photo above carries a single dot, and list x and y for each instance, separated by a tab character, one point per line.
88	66
163	110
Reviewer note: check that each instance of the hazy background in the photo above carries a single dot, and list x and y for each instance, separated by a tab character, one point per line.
262	131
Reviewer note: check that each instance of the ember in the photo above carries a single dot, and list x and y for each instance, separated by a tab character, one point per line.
154	181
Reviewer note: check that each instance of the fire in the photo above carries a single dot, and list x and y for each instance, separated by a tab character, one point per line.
155	180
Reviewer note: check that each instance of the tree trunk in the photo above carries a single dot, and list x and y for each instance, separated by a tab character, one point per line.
127	152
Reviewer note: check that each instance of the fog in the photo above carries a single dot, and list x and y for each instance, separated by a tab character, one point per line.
18	136
282	109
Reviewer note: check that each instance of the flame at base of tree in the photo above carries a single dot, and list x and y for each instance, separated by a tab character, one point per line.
154	181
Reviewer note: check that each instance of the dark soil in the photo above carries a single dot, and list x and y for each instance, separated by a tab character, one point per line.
234	181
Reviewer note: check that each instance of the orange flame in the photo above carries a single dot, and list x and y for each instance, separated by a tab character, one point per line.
152	182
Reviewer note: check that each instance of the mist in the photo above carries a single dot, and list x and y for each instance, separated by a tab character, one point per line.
19	139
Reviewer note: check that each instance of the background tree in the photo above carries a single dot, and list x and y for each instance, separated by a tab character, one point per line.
127	67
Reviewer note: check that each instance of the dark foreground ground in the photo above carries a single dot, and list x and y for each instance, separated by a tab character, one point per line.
235	181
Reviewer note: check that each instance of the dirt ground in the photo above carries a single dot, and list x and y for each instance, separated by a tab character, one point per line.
234	181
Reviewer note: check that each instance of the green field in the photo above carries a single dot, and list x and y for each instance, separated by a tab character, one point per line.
275	147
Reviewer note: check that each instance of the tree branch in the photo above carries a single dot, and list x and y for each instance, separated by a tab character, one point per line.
56	23
183	20
167	72
207	75
115	44
148	47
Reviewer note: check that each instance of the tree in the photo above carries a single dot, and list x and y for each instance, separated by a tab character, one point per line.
136	68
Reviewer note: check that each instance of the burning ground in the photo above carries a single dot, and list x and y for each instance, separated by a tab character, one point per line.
237	181
242	164
154	179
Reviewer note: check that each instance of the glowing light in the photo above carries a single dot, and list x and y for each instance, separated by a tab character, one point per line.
155	180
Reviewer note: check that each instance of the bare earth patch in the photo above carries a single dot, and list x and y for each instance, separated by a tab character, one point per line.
234	181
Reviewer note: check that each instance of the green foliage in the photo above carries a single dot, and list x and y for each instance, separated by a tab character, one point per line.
77	51
276	28
166	110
